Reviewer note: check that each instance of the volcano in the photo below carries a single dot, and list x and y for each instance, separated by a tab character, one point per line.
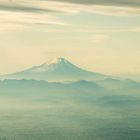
58	70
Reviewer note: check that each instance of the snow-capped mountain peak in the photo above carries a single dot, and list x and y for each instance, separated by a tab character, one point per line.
56	61
52	65
59	69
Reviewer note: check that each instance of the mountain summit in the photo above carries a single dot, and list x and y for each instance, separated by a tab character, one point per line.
58	70
59	64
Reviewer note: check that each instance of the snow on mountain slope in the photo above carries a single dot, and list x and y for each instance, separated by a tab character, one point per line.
58	70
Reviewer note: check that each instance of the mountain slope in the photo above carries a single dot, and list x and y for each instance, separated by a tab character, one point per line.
58	70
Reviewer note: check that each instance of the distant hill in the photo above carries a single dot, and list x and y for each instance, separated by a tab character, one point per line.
111	83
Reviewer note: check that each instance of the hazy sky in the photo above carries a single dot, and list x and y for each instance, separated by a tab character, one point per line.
99	35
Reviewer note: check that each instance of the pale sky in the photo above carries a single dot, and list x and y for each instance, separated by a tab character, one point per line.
97	35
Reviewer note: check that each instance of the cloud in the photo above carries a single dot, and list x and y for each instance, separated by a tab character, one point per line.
20	13
109	10
131	3
102	29
23	8
94	29
114	10
18	21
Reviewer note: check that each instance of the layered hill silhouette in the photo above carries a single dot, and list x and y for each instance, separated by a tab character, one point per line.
88	102
58	70
62	74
